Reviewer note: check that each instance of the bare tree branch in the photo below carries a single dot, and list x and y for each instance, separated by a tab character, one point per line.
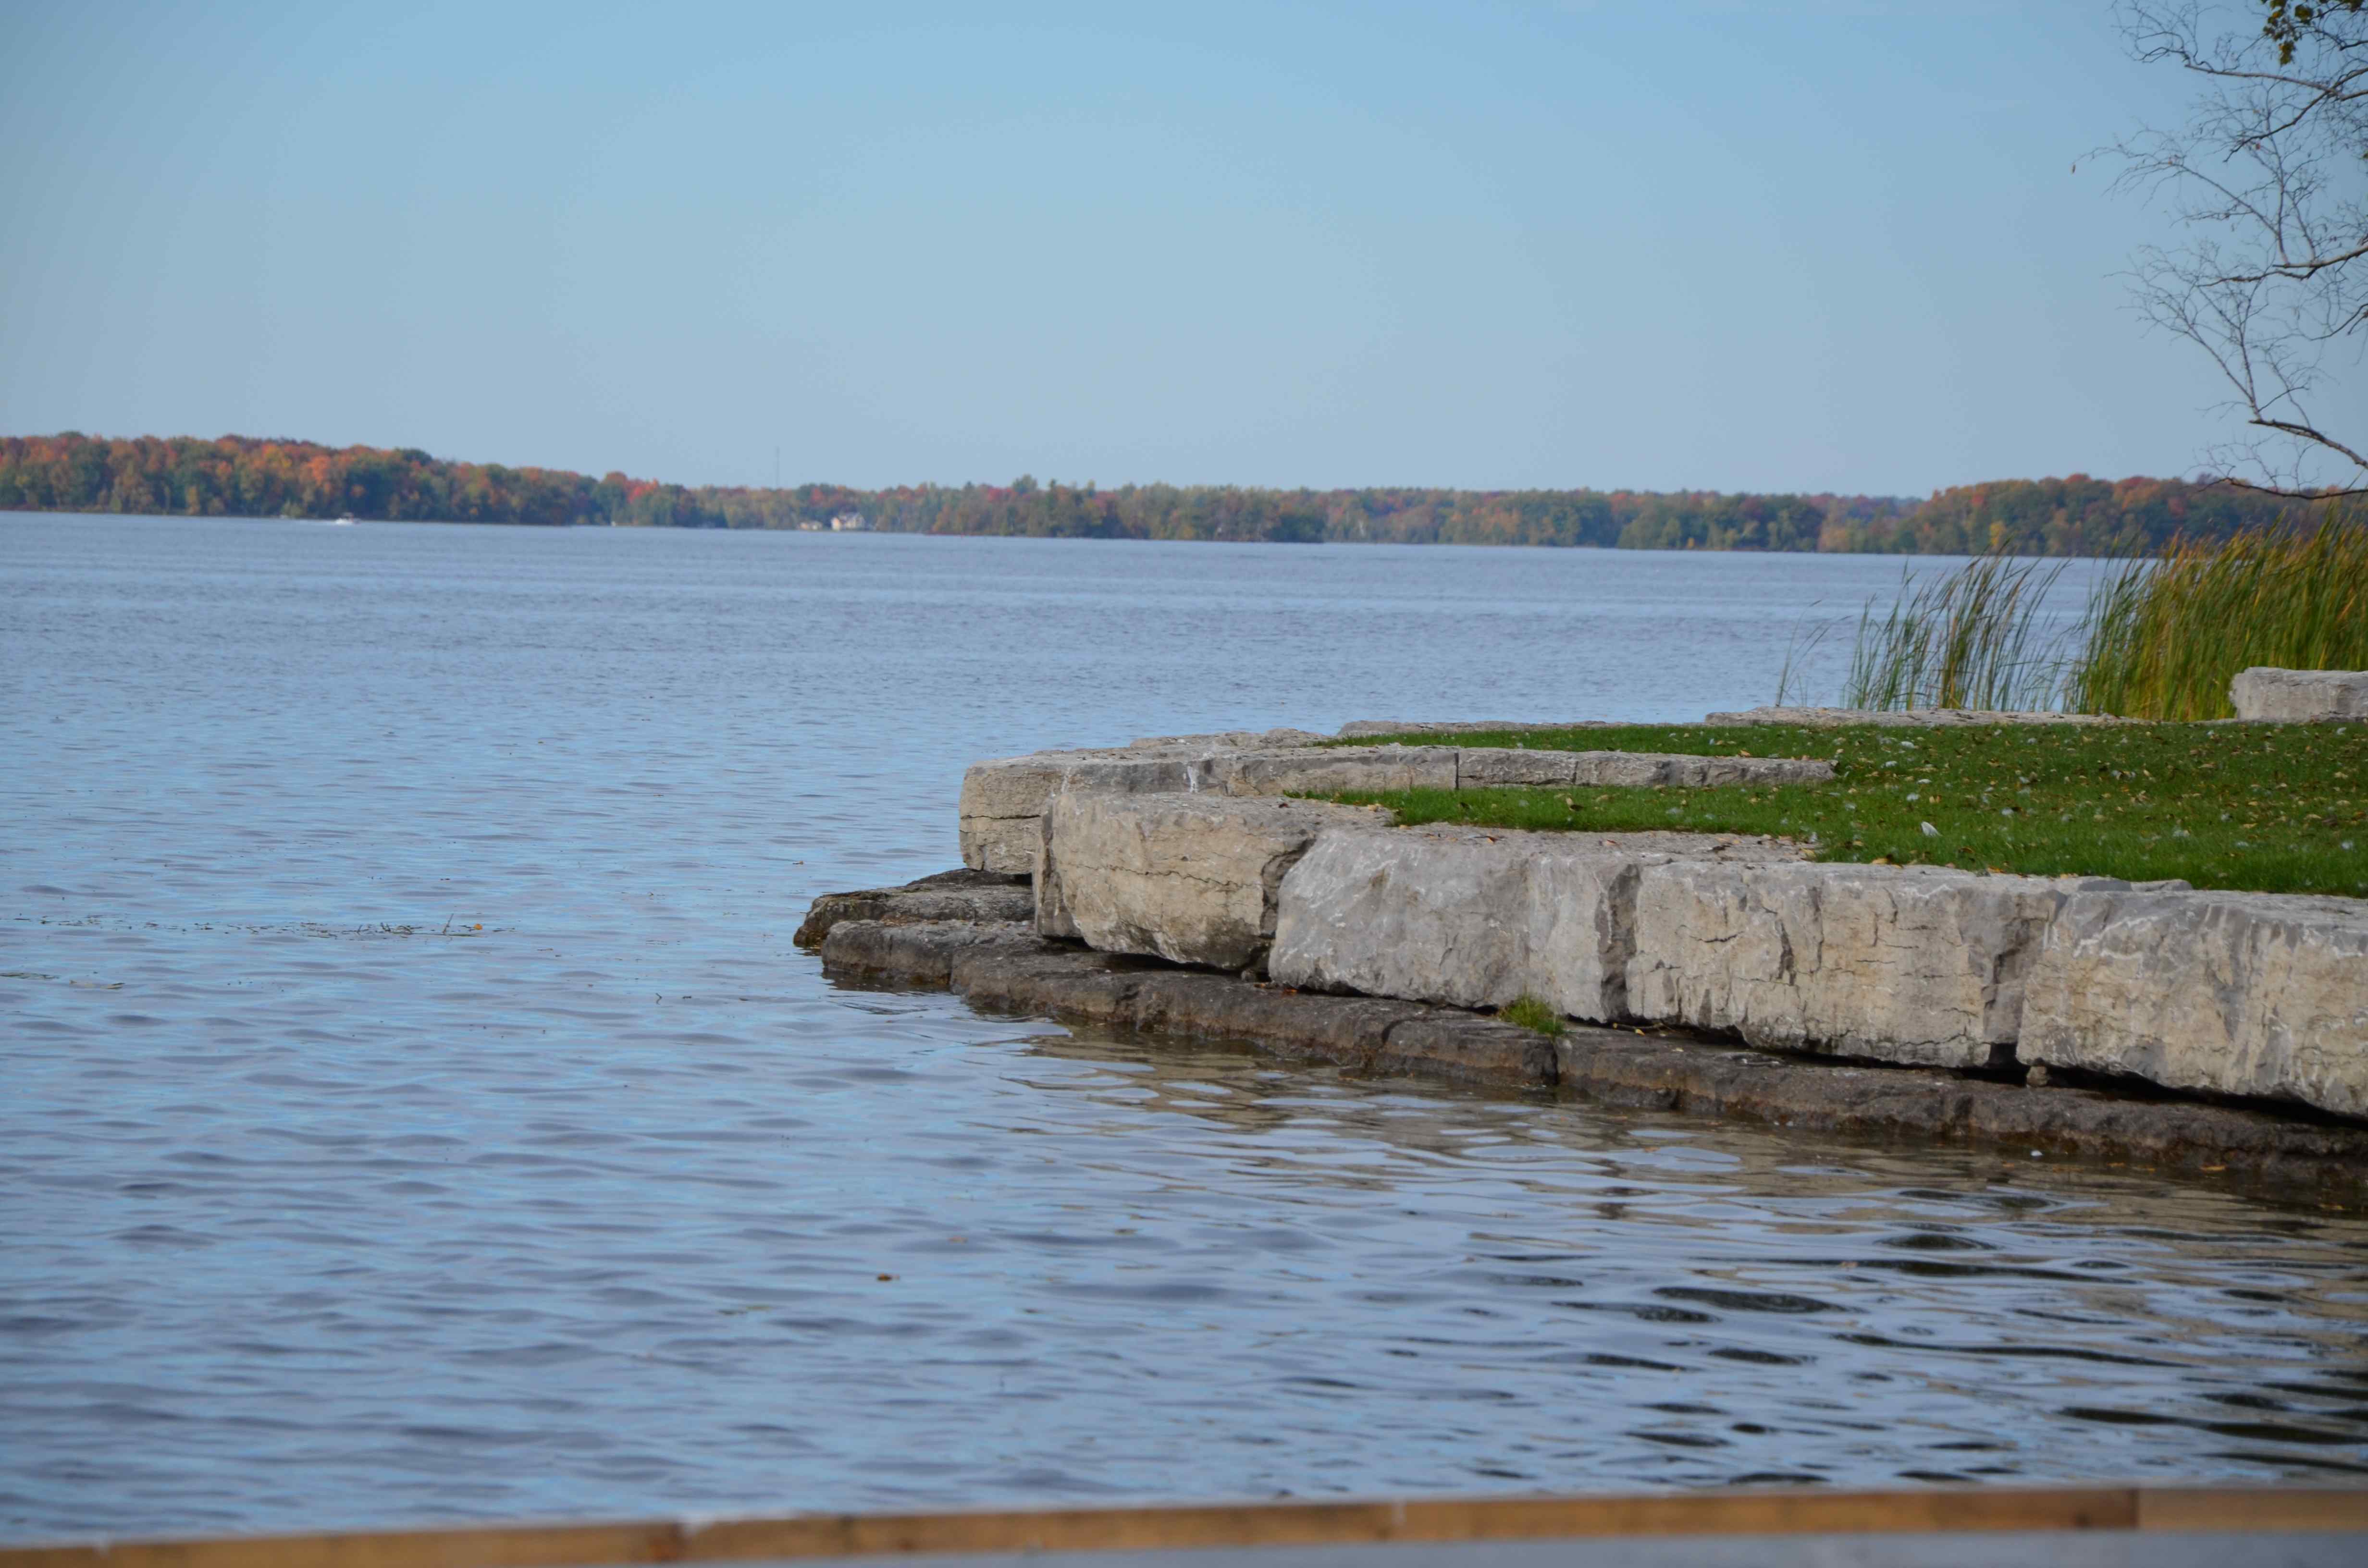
2269	180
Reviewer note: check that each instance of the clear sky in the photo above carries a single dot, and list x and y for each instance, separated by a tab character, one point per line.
1651	245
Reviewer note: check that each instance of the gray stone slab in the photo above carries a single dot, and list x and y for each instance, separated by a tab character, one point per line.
2299	696
977	896
1627	769
1189	877
1003	800
1494	768
1917	964
2240	993
1361	729
1331	771
1233	740
1476	917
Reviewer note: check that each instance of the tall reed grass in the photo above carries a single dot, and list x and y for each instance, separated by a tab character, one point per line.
1970	639
2161	636
2164	636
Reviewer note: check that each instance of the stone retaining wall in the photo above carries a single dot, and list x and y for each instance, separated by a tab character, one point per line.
1182	847
1004	800
1004	966
2253	994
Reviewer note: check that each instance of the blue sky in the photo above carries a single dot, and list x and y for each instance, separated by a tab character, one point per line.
1732	246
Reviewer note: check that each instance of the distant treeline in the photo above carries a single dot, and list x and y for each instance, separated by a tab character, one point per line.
237	477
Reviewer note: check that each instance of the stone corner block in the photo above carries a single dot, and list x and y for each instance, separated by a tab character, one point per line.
2237	993
1918	965
2299	696
1003	799
1189	877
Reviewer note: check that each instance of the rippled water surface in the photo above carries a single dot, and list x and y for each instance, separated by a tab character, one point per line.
415	1108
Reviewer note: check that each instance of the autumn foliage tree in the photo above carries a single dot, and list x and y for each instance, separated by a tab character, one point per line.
238	477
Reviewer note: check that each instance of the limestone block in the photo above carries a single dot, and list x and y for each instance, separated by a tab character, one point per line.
1003	800
1328	770
2300	696
2241	994
1459	915
1361	728
1901	963
1657	770
1474	918
1431	914
978	897
1481	767
1490	768
1190	878
1759	772
1234	739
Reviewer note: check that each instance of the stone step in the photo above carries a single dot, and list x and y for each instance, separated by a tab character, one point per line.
1002	799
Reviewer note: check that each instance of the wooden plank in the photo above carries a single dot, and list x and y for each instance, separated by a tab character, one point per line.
509	1546
1789	1511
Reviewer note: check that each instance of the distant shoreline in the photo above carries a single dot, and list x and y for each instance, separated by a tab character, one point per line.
239	476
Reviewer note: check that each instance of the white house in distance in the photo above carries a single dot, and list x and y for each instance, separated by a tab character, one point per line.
850	523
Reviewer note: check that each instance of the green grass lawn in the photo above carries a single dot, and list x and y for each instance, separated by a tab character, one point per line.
2274	808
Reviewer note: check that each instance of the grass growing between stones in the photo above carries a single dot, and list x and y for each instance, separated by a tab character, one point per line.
2271	808
1532	1013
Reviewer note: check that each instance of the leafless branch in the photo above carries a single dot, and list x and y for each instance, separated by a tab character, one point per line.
2268	179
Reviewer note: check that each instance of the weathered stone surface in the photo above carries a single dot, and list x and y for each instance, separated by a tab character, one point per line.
1900	963
1231	740
2299	696
2298	1160
1003	969
1474	917
1003	800
2241	994
1361	729
1495	767
1188	878
1353	1031
921	954
1331	771
1432	913
1907	719
1448	1044
1659	770
977	896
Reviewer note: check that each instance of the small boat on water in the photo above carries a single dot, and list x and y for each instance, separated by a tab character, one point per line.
347	521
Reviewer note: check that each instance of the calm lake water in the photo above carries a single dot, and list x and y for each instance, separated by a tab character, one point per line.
415	1108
